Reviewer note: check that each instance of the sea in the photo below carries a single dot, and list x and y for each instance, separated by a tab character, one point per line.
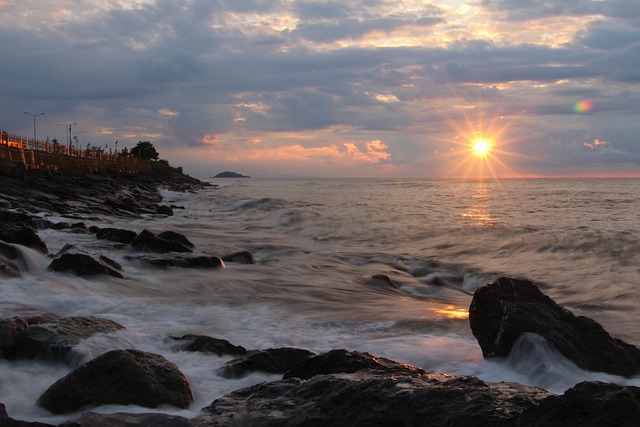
319	245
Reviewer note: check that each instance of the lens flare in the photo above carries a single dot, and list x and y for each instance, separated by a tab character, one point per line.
583	106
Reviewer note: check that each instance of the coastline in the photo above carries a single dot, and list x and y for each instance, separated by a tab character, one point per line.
344	373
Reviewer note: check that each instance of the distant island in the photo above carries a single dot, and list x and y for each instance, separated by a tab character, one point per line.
227	174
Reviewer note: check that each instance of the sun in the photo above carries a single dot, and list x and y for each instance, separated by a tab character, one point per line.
481	147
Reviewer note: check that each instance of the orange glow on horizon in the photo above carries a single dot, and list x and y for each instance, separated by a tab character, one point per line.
451	312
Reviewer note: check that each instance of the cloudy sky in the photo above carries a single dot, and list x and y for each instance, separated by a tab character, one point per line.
359	88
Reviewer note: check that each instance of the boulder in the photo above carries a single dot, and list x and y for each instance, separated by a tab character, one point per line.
164	210
119	419
176	237
119	377
242	257
116	235
204	344
148	241
502	311
587	404
337	361
273	361
397	396
22	234
54	340
85	265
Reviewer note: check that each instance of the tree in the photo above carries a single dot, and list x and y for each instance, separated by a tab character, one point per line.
145	150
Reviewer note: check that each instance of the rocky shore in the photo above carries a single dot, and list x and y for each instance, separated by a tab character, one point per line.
336	388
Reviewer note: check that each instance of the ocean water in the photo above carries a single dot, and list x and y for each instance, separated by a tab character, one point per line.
317	243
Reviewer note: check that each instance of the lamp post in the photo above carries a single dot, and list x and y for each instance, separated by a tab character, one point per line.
68	126
34	124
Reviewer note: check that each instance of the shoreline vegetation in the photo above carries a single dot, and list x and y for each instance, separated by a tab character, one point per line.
340	387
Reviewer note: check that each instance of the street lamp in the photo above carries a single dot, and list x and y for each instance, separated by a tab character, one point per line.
34	123
68	126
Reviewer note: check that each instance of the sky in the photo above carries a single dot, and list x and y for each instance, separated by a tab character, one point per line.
307	88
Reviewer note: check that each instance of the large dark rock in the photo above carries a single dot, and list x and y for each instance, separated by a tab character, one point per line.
14	320
85	265
91	419
21	233
397	396
54	340
336	361
587	404
502	311
121	377
148	241
6	421
273	361
116	235
204	344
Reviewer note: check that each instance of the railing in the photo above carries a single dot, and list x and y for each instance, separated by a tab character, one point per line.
50	155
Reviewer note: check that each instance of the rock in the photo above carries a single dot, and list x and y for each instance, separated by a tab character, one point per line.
120	377
14	320
587	404
242	257
336	361
119	419
187	262
146	240
273	361
19	227
502	311
6	421
206	344
176	237
397	396
116	235
54	340
164	210
85	265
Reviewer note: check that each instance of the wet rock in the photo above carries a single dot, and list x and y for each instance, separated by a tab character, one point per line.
204	344
6	421
336	361
14	320
164	210
91	419
502	311
116	235
242	257
187	262
176	237
273	361
54	340
142	379
148	241
21	233
397	396
587	404
85	265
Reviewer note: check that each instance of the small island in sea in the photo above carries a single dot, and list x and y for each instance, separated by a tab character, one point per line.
227	174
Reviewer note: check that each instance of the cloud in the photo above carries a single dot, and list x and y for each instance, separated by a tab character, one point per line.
327	81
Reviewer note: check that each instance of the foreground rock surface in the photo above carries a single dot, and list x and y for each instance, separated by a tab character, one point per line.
502	311
125	377
394	396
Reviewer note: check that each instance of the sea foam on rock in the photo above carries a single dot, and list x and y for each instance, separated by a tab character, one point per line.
502	311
